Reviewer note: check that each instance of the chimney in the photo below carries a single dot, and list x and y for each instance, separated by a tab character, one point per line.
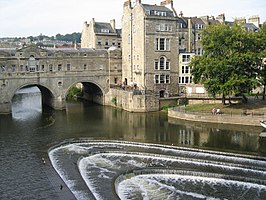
127	3
241	20
181	14
254	20
112	22
221	18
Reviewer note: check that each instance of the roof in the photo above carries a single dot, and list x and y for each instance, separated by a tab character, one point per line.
196	20
149	9
248	26
102	27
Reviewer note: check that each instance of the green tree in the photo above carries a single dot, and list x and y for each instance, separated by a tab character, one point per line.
229	64
262	45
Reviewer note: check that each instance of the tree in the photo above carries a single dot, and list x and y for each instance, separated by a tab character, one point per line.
230	61
262	71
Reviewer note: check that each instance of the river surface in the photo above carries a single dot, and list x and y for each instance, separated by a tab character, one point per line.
104	153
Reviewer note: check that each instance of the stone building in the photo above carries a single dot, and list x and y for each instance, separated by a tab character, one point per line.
150	48
100	35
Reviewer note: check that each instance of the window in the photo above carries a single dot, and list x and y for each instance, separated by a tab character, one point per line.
33	64
164	27
59	67
199	51
158	13
167	78
198	26
105	30
84	66
185	69
50	68
185	79
156	79
162	64
3	68
198	36
68	67
185	58
21	68
106	42
14	68
161	79
156	65
99	42
162	44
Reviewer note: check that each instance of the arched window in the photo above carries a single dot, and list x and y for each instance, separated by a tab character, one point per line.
162	64
32	63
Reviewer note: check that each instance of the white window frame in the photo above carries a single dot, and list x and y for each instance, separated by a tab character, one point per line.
162	44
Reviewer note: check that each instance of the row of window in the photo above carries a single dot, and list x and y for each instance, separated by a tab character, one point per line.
34	68
165	79
185	79
164	27
161	78
108	43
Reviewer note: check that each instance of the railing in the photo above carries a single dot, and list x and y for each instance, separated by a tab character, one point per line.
240	113
134	89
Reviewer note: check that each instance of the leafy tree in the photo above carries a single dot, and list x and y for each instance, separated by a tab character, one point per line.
230	61
262	48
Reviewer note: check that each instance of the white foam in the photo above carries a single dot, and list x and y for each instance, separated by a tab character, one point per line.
111	162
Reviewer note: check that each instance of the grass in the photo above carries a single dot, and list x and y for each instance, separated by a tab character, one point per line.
253	106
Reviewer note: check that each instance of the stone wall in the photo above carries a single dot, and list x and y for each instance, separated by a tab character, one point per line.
128	101
209	118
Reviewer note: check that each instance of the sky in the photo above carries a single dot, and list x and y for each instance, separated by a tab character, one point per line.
23	18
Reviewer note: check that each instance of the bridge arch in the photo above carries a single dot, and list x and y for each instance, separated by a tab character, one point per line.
92	91
48	96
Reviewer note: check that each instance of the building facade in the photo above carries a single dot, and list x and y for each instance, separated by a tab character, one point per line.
100	35
150	49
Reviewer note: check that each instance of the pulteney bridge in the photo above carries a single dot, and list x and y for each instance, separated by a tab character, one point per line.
54	71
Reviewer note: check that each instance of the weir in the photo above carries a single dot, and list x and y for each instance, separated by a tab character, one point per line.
117	168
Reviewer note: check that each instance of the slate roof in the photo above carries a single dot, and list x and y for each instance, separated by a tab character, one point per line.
149	8
102	25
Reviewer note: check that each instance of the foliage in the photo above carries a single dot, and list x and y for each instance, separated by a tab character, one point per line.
74	37
74	92
230	62
262	46
114	101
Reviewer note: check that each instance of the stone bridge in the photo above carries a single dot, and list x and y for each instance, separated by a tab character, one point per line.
54	71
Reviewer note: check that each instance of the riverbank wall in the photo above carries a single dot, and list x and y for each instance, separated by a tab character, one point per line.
132	101
249	120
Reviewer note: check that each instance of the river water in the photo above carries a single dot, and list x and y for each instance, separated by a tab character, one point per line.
105	153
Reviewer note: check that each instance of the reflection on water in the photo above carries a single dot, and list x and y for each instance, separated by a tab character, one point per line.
26	136
27	103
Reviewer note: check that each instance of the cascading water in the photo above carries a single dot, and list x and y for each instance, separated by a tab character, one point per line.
129	170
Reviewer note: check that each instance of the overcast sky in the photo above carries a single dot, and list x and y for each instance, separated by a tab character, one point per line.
22	18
